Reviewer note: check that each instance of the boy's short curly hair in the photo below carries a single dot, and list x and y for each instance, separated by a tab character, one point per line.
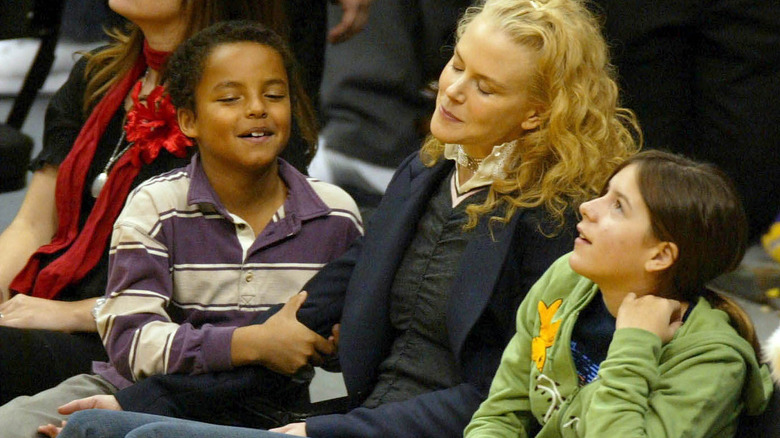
186	65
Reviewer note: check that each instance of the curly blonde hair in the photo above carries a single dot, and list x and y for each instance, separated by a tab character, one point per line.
583	134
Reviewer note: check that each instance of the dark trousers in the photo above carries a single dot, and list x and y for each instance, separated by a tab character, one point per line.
35	360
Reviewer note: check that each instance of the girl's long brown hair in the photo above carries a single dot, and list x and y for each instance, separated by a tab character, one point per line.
696	206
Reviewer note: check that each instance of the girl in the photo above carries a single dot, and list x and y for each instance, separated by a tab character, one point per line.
621	337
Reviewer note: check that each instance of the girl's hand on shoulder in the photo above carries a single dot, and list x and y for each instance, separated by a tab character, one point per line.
657	315
25	312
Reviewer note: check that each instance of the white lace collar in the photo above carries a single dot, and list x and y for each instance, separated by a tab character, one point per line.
488	169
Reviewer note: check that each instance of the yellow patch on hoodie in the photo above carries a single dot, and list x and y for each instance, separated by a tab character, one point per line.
547	332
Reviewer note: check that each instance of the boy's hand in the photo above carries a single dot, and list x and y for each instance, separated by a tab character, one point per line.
334	337
282	344
654	314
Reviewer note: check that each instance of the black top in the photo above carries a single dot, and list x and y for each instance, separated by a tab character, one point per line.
420	360
590	338
64	119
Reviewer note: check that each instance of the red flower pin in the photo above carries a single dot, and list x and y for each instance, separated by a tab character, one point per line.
152	125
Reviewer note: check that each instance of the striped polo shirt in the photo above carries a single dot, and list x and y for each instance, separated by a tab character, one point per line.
184	272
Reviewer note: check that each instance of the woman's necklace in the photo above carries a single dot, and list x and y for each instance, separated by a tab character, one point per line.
467	161
100	180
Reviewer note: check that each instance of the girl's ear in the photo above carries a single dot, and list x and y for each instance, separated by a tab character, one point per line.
186	118
665	255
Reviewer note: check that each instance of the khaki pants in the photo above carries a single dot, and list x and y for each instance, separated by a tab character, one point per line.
21	416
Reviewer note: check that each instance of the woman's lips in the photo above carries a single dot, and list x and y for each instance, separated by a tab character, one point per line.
448	115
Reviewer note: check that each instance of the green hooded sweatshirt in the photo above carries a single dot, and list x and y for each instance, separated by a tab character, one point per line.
694	386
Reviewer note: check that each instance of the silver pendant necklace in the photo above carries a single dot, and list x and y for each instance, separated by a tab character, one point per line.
100	180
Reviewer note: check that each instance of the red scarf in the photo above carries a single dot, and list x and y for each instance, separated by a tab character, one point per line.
83	249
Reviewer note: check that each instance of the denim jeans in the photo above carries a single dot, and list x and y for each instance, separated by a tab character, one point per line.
98	423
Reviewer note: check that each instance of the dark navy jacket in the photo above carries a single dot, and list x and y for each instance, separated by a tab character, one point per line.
497	268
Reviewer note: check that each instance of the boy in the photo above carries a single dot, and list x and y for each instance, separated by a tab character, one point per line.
200	252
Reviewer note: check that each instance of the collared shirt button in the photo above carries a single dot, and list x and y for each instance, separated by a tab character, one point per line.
249	277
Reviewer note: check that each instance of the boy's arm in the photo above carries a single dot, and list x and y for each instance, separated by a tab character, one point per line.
140	336
142	339
282	344
196	396
697	392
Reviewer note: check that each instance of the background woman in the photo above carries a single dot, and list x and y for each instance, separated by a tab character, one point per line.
54	254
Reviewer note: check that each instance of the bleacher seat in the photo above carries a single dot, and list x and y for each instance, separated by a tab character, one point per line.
38	19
